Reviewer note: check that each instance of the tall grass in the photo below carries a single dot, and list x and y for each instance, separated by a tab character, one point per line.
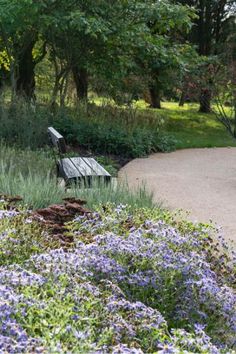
24	124
31	174
106	129
117	194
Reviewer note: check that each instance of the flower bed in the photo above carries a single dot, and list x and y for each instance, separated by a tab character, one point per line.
138	282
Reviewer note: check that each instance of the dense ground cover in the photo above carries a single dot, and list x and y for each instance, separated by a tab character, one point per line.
133	281
110	130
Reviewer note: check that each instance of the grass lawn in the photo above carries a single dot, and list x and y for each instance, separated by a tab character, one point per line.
193	129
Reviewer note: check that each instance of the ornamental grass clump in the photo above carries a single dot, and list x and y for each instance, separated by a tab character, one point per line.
32	175
135	281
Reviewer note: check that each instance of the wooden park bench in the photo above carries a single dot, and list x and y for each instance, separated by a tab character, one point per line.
82	170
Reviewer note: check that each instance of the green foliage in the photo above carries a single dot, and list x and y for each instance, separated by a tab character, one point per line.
109	164
115	131
103	130
101	138
24	125
16	241
58	314
101	31
149	41
111	130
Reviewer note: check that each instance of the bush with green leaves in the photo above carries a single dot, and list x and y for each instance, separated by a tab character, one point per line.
110	130
104	130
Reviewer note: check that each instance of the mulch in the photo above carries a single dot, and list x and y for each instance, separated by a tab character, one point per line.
54	217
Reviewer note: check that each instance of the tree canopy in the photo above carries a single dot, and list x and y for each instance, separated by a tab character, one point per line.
121	46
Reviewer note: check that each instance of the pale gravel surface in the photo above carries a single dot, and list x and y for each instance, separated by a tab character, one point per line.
202	181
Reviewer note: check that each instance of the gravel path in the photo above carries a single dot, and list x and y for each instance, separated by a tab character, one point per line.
202	181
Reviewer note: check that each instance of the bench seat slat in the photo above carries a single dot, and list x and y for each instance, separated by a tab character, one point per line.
79	167
96	167
82	166
68	170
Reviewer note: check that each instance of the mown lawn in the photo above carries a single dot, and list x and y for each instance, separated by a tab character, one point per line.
193	129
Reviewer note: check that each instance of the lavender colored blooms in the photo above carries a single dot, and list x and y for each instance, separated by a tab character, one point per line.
8	214
120	291
17	276
13	338
124	349
155	250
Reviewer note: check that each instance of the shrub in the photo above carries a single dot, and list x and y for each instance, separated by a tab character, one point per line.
24	124
105	136
103	130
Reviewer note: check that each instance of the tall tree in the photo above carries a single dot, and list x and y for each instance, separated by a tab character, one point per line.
167	52
113	39
19	37
208	35
21	24
158	49
109	39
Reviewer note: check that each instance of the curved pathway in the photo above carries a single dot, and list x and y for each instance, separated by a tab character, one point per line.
202	181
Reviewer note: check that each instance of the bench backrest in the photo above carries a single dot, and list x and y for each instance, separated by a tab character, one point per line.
57	140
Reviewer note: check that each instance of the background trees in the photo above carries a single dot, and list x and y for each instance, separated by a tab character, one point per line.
117	48
208	36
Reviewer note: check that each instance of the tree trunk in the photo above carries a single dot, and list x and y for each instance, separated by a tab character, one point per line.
1	77
53	99
81	82
205	48
155	96
64	88
234	113
25	80
205	101
201	25
182	99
